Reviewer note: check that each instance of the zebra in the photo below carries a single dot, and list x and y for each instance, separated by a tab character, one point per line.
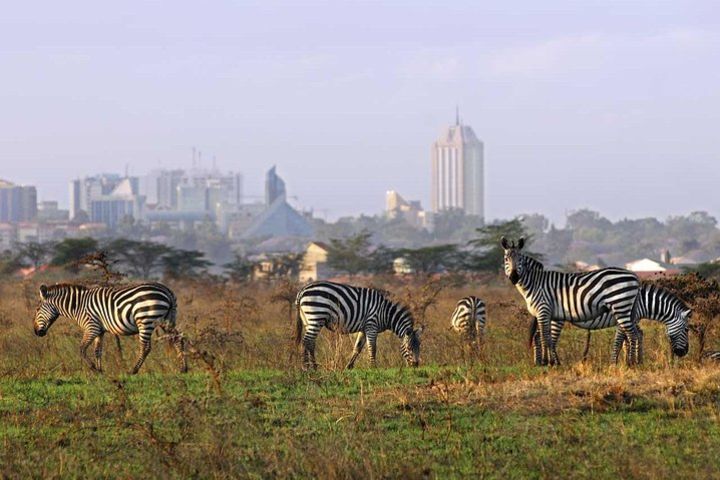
347	309
652	303
118	310
468	318
552	295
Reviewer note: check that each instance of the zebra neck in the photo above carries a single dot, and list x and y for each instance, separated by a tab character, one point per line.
527	281
69	302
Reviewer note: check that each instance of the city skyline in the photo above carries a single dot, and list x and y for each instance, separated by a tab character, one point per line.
575	103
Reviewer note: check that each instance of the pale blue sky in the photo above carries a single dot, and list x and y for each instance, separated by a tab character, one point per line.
608	105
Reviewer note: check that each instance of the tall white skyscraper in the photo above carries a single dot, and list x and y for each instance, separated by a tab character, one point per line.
458	171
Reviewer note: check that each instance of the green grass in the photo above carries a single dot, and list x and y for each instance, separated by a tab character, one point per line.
359	424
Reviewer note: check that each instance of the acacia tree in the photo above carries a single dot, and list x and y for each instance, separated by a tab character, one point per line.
489	253
70	251
141	258
184	263
350	255
34	253
240	269
427	260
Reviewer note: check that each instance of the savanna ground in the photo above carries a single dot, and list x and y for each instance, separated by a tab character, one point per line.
247	410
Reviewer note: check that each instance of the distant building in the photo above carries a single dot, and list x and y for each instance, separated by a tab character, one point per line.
166	188
458	171
84	190
274	187
645	267
17	203
411	211
314	264
49	211
278	219
123	201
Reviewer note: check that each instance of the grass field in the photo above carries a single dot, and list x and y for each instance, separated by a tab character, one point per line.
246	410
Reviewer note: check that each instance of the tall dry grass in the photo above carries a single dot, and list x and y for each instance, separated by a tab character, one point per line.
250	327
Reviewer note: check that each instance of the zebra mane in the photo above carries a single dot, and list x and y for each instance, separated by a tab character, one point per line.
532	263
670	296
51	290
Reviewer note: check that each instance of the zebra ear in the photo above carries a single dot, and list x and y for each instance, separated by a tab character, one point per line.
504	243
521	243
43	291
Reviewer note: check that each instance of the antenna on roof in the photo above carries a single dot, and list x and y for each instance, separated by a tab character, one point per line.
457	115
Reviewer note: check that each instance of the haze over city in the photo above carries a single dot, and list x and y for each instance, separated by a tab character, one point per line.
608	106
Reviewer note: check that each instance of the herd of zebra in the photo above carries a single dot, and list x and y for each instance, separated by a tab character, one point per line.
610	297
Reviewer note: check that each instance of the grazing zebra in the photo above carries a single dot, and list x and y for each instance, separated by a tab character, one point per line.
652	303
118	310
469	318
575	297
347	309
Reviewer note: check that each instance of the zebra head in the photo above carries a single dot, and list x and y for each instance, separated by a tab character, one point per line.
410	347
514	261
677	330
45	315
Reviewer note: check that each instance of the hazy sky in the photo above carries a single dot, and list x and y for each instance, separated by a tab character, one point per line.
609	105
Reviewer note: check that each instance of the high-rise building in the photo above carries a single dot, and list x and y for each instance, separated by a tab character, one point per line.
166	185
17	203
106	198
84	190
274	187
458	171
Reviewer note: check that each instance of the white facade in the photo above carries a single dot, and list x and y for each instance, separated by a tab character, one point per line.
458	171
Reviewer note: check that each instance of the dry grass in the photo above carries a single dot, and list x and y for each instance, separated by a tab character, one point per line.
246	409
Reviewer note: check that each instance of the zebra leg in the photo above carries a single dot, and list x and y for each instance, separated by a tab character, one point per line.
178	342
548	349
119	346
536	343
98	352
618	343
359	345
312	329
88	337
372	346
631	332
144	335
555	330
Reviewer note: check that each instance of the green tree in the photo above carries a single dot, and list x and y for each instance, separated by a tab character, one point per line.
69	251
350	255
427	260
286	265
240	269
184	263
9	263
141	258
489	253
34	253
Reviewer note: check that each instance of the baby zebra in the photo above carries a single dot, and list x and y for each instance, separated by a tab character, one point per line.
347	309
469	318
119	310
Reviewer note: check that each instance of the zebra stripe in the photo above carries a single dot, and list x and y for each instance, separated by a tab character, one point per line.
119	310
468	317
652	303
574	297
347	309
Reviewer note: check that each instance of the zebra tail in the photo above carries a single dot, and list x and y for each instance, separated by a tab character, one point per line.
298	327
532	331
